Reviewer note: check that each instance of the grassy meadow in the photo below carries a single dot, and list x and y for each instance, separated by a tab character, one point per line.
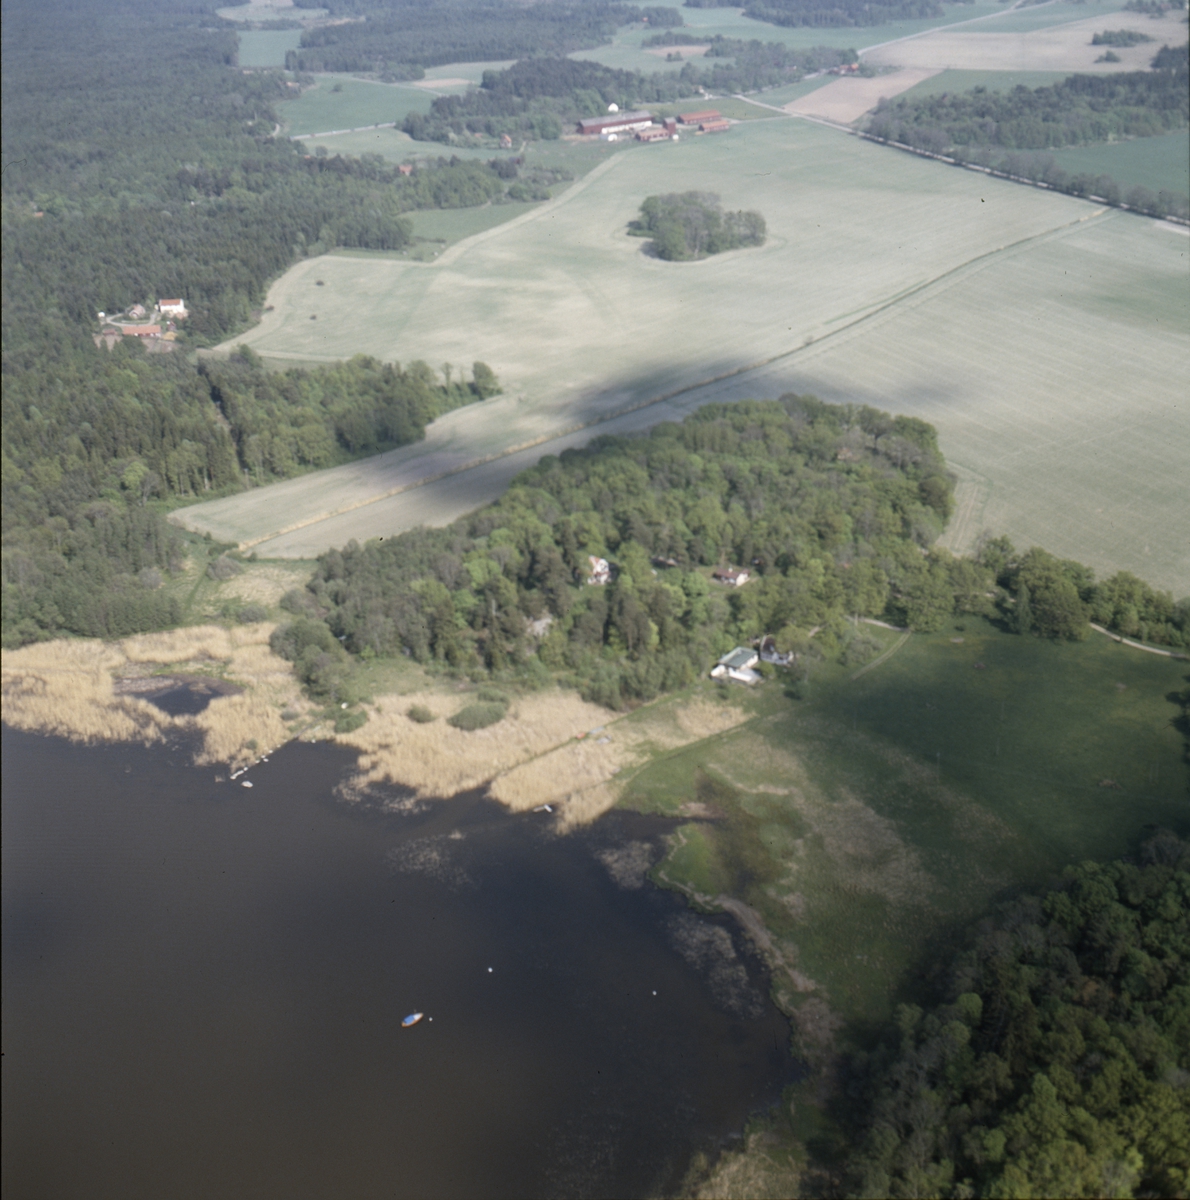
320	109
1158	163
267	47
1042	337
868	822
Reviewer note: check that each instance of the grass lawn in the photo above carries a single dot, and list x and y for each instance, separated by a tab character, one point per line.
1043	341
872	820
1157	163
267	47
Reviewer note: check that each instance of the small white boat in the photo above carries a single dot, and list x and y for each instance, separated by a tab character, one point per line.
411	1019
246	783
543	808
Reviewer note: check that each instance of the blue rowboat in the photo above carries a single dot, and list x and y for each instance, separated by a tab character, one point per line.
411	1019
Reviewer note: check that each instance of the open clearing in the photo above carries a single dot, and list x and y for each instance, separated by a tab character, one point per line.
1046	340
987	46
882	814
846	100
267	47
1158	163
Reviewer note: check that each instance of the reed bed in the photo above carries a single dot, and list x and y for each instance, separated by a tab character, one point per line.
66	688
435	759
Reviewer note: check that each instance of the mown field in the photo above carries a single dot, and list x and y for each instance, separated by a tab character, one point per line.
1046	38
1044	339
870	821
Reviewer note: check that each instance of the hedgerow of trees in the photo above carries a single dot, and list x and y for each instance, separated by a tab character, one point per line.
829	13
1004	130
690	225
1059	1063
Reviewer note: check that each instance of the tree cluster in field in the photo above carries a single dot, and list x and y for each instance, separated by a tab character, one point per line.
1154	8
92	448
834	509
831	507
829	13
691	225
1059	598
534	98
403	37
1120	37
1058	1065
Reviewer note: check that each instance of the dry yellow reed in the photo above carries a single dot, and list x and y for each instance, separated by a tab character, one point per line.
66	688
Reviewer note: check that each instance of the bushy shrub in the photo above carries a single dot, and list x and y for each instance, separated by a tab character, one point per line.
348	721
421	714
478	716
490	695
223	568
250	614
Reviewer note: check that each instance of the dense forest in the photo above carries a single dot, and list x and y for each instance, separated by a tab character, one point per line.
1058	1063
829	12
398	38
536	97
834	509
137	168
1004	130
690	225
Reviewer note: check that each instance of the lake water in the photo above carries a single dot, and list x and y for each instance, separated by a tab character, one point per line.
203	986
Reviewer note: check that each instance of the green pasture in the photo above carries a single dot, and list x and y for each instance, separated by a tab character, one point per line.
954	81
1157	163
872	820
451	225
320	108
267	47
794	91
1046	340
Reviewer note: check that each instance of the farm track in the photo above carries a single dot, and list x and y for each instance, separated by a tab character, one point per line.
906	299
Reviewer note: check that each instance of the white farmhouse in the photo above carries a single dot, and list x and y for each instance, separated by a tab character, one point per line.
737	666
173	308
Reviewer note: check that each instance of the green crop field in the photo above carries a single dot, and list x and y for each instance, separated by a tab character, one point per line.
267	47
320	109
1155	162
873	819
994	81
1044	338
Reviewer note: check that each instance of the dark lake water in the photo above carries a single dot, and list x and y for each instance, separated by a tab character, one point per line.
203	986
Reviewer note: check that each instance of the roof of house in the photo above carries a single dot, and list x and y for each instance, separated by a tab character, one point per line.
740	658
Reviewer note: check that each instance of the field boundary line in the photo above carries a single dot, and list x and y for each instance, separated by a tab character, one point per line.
809	349
887	654
909	37
1123	641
